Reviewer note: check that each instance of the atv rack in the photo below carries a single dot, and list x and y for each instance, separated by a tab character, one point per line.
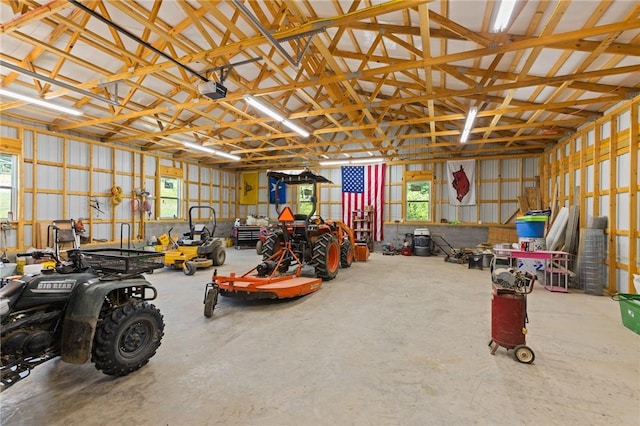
113	263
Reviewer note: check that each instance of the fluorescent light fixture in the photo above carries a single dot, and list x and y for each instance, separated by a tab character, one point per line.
271	113
335	162
468	125
299	130
211	151
366	160
40	102
504	15
275	115
352	161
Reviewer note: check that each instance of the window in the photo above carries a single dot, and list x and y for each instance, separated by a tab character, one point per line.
169	197
418	196
8	186
305	205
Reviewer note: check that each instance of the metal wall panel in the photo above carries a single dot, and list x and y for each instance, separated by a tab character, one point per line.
149	165
101	182
622	209
49	148
102	157
9	132
77	180
27	144
605	130
205	192
604	174
623	169
510	168
126	183
49	177
28	207
124	160
193	192
468	214
489	169
489	213
589	178
509	190
78	153
530	167
488	191
506	210
78	206
53	204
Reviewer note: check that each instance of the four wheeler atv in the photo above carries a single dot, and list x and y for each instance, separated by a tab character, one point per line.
93	306
197	248
324	244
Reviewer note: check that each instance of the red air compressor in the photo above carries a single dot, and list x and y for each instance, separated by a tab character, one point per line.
509	313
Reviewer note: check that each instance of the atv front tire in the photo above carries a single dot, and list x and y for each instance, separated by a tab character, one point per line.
126	338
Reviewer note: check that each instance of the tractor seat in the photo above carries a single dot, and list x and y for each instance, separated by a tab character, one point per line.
188	242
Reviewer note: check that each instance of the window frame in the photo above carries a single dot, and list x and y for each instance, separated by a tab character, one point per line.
412	178
11	187
162	197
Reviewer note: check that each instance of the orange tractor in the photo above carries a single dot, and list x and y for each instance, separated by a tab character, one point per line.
300	240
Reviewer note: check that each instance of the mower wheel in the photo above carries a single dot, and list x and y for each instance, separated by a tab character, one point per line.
218	256
259	247
210	302
189	268
326	256
523	354
346	254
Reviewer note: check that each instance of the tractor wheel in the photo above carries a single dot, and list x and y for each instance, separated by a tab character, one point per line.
218	255
346	254
189	268
126	338
259	247
273	245
326	256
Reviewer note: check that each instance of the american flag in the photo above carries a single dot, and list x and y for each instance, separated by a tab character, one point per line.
364	186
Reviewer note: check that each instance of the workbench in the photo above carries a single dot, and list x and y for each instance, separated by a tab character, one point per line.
555	269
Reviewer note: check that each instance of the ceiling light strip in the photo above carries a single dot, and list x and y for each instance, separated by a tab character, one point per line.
352	161
211	151
468	125
504	15
276	116
40	102
57	83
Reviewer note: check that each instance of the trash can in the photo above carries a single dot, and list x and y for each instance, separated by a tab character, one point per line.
422	244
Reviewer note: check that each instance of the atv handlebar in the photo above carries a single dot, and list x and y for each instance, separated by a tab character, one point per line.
37	254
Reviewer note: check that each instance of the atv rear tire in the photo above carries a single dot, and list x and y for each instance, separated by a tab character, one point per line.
218	255
274	244
126	338
346	254
326	256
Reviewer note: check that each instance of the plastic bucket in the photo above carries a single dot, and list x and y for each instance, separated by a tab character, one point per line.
629	310
530	226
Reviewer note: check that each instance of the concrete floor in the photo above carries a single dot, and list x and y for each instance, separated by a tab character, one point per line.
396	340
